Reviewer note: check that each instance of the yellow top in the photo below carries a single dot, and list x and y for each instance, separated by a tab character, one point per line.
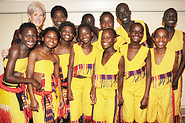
121	31
120	40
45	67
106	75
176	42
64	62
83	64
20	66
135	70
162	74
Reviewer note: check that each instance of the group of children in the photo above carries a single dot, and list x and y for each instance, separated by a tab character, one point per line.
108	75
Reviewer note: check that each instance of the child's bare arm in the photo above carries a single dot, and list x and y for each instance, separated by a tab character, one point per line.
93	88
57	75
121	72
69	75
9	74
175	68
144	101
30	72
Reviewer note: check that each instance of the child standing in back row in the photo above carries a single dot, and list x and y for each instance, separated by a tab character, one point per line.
164	68
137	77
58	15
107	21
81	62
67	33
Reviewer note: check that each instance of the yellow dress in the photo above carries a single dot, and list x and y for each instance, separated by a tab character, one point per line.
161	99
48	104
106	79
134	85
120	40
122	32
10	107
176	44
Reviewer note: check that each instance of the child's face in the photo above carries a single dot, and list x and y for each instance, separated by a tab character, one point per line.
107	39
58	17
67	33
89	20
136	33
107	22
170	18
37	18
85	35
161	38
28	37
123	14
50	39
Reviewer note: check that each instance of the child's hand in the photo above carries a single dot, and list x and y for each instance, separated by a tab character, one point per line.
37	85
61	103
144	102
34	105
4	52
175	84
120	102
93	96
70	95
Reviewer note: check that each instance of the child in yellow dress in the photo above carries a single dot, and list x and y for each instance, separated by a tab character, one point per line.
81	62
13	103
43	65
108	80
137	77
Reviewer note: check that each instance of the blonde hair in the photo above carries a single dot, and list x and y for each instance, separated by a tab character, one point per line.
35	6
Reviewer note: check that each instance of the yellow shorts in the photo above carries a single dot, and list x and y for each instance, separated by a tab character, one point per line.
132	95
9	108
106	107
38	117
160	106
82	103
178	95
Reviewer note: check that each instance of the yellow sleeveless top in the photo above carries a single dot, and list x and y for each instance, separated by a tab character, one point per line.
162	74
122	32
83	64
64	62
107	75
135	70
120	40
176	43
20	66
45	67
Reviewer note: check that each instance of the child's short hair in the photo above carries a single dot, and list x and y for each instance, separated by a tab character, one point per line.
58	7
67	23
51	29
25	25
120	5
154	34
106	13
88	14
35	6
137	24
85	25
168	10
114	32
